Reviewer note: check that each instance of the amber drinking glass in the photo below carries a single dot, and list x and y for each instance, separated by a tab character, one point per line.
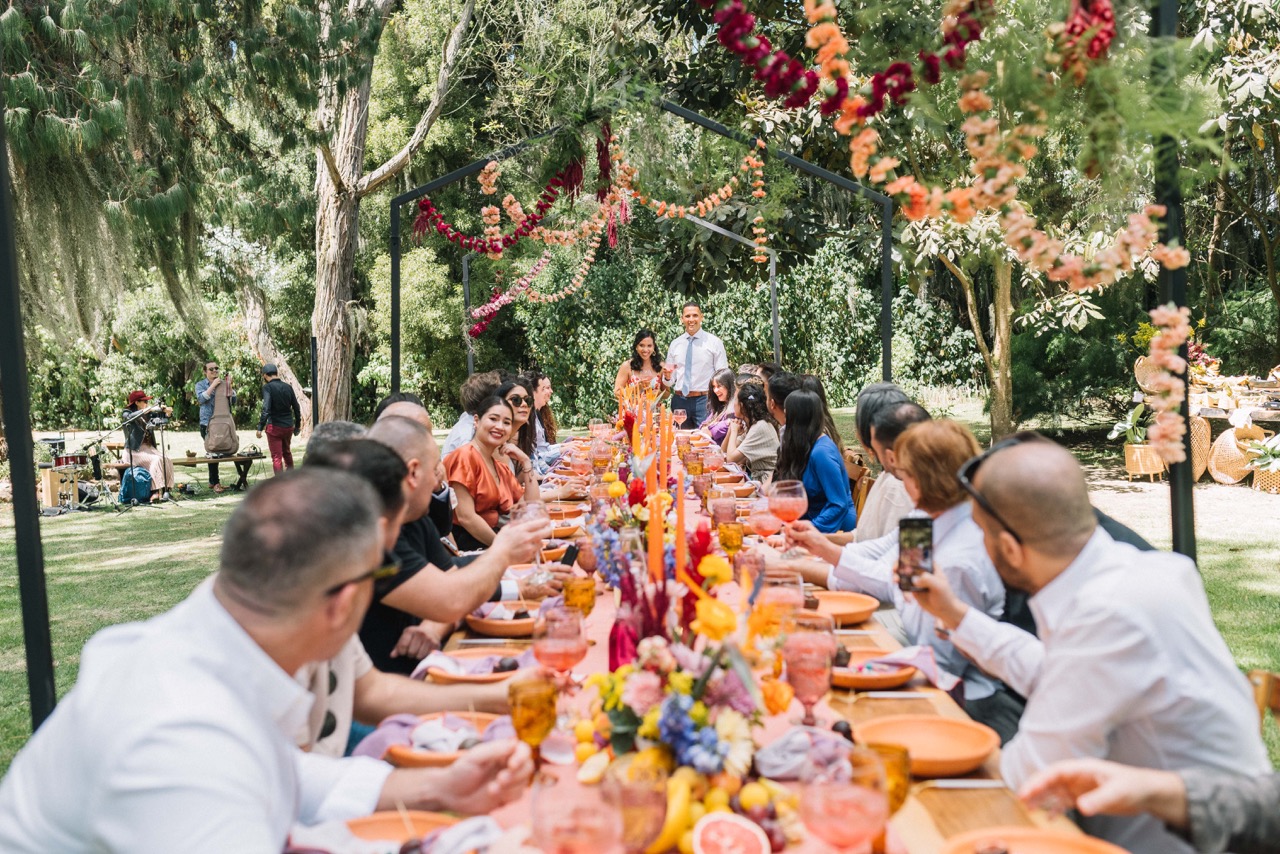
533	712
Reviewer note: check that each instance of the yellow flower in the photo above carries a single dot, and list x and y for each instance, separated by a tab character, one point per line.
715	620
698	714
649	726
617	488
609	477
777	695
715	569
681	682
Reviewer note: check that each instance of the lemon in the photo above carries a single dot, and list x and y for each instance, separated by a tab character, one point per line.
753	795
685	845
592	770
584	751
696	811
585	731
718	797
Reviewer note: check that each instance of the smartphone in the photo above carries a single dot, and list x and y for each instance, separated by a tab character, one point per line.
570	555
915	550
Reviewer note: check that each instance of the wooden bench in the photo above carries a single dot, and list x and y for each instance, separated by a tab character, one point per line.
242	463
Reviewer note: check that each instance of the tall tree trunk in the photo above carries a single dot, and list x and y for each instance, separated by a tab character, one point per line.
339	188
1002	418
253	305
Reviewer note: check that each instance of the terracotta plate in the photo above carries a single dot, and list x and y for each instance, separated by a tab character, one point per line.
564	532
1030	840
744	490
851	677
443	677
846	607
390	826
728	477
402	756
501	628
939	747
551	554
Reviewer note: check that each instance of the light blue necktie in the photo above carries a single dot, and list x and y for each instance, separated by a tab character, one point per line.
688	368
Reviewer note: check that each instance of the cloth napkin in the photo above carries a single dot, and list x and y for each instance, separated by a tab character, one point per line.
803	752
922	659
468	666
507	610
333	837
447	734
400	729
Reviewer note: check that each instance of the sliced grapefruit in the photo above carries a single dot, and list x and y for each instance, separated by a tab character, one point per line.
728	833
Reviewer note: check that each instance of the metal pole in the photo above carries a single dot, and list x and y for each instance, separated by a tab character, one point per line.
886	290
315	398
466	310
15	399
395	298
1173	283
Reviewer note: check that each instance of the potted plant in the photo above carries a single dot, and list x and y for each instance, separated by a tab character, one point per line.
1139	457
1265	462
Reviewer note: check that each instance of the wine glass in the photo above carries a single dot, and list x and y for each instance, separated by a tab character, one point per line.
528	512
713	459
596	427
897	774
693	463
788	501
848	814
533	712
580	465
678	416
747	566
558	641
701	484
639	792
808	652
762	521
572	819
586	554
730	535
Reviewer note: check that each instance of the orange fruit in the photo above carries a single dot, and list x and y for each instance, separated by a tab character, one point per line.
753	795
731	783
723	833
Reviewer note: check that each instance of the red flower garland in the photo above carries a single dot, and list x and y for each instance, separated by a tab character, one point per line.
780	74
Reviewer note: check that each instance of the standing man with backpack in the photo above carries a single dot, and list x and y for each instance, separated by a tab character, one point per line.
280	417
206	390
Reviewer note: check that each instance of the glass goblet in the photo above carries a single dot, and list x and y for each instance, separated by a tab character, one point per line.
528	512
713	460
586	554
639	793
897	775
808	652
572	819
678	415
580	594
533	712
788	501
848	814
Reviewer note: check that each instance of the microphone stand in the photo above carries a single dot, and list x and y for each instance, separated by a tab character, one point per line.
168	493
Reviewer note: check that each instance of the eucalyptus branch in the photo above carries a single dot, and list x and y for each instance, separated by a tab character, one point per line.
971	306
334	175
398	161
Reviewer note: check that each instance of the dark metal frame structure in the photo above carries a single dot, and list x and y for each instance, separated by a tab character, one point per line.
886	231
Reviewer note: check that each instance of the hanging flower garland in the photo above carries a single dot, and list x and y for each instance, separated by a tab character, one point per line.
579	278
758	192
488	178
504	298
780	74
1166	432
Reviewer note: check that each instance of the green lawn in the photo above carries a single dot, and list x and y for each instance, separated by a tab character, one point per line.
105	568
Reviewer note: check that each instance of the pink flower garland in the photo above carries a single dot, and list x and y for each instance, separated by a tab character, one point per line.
505	298
1166	432
579	278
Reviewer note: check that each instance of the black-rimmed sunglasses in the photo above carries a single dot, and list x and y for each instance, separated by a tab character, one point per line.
970	468
520	400
388	569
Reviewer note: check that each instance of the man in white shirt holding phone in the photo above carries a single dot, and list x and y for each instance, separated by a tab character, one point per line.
1128	666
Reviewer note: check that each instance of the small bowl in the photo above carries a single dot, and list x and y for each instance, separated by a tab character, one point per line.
728	476
444	677
390	826
566	532
851	677
1030	840
744	490
522	628
403	756
560	511
846	607
939	747
553	554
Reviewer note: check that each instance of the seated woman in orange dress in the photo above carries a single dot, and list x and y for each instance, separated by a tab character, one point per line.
486	486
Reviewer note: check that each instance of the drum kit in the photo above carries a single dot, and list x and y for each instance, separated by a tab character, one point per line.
71	481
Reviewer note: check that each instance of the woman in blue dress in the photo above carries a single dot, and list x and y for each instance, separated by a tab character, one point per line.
809	455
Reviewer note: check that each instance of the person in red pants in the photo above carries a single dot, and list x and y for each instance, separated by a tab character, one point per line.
280	417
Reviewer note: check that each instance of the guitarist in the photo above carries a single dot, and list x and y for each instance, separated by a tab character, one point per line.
206	388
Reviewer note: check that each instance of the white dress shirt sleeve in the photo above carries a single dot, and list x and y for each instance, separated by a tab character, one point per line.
867	567
1001	649
672	349
719	358
333	789
213	798
1107	659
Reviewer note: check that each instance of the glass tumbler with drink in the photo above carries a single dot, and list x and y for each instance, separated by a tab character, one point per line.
848	814
638	791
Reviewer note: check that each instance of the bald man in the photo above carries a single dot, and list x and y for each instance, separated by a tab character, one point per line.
440	513
422	590
1129	665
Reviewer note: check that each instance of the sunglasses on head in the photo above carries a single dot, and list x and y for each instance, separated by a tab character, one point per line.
520	400
387	569
970	468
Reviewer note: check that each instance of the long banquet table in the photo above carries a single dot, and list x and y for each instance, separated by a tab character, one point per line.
931	814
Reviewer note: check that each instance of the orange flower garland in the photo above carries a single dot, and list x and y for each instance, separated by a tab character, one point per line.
579	278
488	178
758	192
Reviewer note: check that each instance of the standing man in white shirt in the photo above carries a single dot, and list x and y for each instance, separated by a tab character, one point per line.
692	360
179	733
1129	665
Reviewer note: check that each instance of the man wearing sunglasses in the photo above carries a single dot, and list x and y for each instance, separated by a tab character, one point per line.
1129	665
179	734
